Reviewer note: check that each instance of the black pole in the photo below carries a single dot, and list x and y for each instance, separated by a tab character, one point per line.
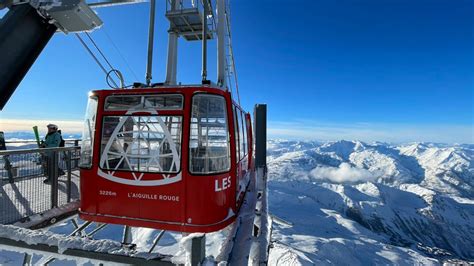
53	172
68	156
260	116
23	36
198	250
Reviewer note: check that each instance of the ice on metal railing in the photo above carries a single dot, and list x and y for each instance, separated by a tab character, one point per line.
34	237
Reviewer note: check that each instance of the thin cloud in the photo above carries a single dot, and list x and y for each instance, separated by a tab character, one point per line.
13	125
343	174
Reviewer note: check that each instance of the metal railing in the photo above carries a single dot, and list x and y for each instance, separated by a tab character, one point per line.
34	181
68	142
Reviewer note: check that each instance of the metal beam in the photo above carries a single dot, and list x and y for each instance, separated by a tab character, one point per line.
97	229
172	65
198	250
204	41
127	235
24	34
260	117
151	37
157	239
114	3
31	248
27	259
221	59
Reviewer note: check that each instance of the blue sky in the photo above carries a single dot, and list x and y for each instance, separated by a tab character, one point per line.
371	70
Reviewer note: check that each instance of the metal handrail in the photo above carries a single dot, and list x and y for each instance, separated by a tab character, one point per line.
34	141
41	150
20	141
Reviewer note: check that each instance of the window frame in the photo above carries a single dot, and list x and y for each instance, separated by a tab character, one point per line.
244	132
143	96
229	168
236	132
131	115
241	136
92	136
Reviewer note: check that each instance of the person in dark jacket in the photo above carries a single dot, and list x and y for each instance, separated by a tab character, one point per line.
52	140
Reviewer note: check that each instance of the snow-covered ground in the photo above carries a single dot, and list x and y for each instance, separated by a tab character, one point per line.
349	202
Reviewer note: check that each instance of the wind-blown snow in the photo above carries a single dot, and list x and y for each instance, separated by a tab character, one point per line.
349	202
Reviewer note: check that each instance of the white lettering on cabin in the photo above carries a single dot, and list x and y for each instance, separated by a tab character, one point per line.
153	196
223	184
106	193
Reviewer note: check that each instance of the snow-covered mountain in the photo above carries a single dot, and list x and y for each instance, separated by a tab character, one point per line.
349	202
354	203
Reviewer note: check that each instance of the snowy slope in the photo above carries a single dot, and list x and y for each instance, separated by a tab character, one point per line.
349	202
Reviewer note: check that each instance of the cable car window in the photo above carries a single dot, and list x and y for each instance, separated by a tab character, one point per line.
209	138
160	102
165	102
141	143
87	143
236	126
241	135
244	130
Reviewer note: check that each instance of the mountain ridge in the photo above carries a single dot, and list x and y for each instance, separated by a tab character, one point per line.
414	198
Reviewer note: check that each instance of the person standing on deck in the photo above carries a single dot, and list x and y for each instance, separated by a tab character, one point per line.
52	140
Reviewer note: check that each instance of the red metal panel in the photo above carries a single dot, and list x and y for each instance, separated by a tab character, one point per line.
88	191
209	199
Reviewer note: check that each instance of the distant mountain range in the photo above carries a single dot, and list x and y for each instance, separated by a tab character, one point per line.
21	135
349	202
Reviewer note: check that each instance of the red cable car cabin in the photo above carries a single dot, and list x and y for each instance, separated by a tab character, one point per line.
167	158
